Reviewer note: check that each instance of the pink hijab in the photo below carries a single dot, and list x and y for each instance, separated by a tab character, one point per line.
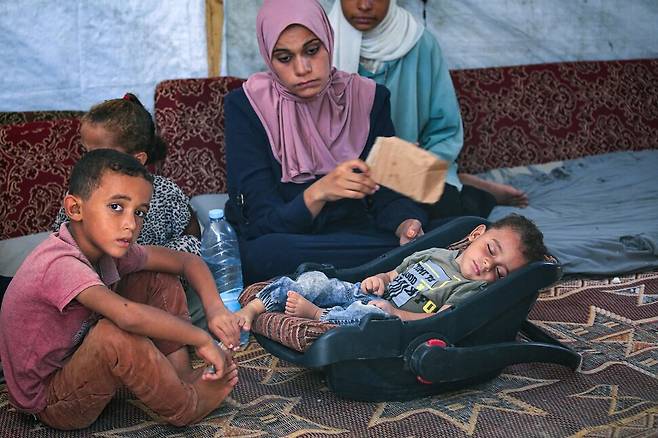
309	136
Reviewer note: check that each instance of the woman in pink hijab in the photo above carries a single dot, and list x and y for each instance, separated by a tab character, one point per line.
296	138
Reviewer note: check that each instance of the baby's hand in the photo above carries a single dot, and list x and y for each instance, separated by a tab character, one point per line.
373	285
386	306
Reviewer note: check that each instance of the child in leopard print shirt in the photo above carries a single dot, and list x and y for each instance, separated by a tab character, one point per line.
126	126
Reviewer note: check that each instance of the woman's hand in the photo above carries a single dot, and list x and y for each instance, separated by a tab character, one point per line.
350	179
225	326
409	230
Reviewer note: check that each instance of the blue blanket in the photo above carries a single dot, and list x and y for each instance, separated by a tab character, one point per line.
599	214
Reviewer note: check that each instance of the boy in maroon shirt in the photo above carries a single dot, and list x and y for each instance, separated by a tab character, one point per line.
89	311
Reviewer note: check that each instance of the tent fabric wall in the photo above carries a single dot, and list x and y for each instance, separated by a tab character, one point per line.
74	53
492	33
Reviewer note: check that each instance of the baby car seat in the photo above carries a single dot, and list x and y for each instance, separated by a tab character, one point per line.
389	359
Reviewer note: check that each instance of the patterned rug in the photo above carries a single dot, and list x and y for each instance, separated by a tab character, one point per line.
612	323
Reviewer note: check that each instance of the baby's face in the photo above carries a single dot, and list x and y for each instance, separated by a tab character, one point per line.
492	254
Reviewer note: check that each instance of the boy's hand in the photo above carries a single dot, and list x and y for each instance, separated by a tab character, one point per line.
374	285
225	326
219	359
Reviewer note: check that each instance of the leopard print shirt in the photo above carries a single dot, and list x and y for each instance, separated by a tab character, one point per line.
166	220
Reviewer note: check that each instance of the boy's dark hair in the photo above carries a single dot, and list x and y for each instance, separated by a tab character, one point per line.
88	171
132	125
532	240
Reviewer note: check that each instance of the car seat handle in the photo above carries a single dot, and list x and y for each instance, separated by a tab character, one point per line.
433	363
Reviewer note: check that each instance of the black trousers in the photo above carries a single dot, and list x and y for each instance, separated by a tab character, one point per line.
471	201
276	254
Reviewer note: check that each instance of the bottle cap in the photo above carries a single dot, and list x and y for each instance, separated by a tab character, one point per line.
216	213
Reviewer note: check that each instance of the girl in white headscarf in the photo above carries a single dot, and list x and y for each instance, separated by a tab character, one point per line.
380	40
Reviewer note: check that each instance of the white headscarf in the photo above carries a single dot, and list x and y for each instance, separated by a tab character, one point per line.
393	38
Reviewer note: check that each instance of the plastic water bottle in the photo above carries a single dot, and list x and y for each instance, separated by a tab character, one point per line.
220	251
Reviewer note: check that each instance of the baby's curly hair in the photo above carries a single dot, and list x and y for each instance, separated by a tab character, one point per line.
532	240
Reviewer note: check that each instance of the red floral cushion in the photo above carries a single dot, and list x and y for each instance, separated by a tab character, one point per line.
36	159
190	117
539	113
13	117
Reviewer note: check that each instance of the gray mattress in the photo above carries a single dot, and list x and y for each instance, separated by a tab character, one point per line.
599	214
